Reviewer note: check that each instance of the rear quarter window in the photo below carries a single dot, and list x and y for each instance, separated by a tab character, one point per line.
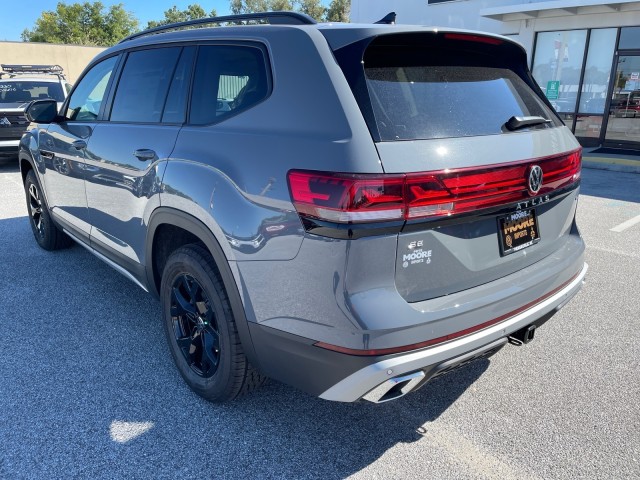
228	79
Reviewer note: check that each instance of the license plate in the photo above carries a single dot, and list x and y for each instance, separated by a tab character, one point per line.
518	230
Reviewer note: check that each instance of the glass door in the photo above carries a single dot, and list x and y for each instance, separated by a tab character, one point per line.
623	127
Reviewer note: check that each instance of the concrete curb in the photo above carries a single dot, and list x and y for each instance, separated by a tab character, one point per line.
612	163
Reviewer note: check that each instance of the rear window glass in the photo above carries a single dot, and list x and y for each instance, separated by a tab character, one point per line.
20	92
425	94
439	102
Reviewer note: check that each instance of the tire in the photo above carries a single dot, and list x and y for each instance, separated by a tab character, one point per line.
46	233
200	327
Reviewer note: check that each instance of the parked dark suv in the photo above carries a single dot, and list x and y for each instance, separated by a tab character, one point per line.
350	209
19	85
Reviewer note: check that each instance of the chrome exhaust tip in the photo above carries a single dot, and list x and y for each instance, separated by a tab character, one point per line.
394	388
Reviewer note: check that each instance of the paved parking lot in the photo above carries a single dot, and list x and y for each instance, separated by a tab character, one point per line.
88	388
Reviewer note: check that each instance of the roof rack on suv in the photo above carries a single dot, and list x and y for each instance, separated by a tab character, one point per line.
274	18
14	70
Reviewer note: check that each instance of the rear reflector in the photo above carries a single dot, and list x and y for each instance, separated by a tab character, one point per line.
353	198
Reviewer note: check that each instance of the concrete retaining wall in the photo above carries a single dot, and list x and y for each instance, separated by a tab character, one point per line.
72	58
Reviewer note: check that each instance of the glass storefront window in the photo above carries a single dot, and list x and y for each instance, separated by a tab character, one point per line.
629	38
568	119
588	126
557	65
597	71
623	125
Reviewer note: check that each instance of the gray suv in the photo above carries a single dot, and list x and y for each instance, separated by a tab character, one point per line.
350	209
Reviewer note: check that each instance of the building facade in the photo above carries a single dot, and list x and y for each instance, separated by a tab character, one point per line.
584	54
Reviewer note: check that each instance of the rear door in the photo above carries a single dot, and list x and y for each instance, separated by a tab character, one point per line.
128	151
492	174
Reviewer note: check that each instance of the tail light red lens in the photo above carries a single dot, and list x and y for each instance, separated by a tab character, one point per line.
350	198
345	198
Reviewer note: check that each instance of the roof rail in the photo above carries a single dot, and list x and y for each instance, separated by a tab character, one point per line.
273	18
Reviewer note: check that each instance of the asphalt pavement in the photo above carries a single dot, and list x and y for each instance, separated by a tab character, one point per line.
88	388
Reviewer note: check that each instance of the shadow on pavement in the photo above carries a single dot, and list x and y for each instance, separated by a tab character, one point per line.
614	185
89	389
9	164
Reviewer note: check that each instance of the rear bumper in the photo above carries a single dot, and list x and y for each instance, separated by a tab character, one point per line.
361	382
347	378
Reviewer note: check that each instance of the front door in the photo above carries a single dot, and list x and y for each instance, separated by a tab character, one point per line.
129	151
623	126
64	149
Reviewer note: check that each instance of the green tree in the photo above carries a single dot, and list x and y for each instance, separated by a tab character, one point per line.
313	8
87	23
252	6
173	15
249	6
338	11
281	5
236	7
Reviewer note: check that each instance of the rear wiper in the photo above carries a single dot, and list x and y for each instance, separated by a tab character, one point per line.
516	123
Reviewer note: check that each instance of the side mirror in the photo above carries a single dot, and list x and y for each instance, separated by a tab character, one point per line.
42	111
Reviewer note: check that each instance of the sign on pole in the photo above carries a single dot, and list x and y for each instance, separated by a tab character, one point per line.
553	89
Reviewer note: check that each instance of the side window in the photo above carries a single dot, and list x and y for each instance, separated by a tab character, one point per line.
84	104
176	105
227	79
143	86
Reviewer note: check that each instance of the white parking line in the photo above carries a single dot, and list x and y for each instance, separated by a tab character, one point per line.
624	225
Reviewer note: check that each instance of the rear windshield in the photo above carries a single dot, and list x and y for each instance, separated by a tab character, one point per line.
421	90
21	92
438	101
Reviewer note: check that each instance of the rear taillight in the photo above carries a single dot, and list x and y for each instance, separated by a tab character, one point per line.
345	198
352	198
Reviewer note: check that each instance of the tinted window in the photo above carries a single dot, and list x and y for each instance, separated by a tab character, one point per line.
175	107
143	86
442	101
84	104
20	92
227	79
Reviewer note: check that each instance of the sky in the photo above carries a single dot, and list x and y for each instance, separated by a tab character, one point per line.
20	14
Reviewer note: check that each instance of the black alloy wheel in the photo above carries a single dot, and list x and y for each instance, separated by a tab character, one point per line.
35	209
201	328
46	233
195	326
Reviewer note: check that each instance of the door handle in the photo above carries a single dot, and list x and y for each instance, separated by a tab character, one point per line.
46	154
144	154
79	144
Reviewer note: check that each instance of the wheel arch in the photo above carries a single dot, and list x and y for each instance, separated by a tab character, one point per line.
195	229
26	164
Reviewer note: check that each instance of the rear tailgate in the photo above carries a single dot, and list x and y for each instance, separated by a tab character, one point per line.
437	105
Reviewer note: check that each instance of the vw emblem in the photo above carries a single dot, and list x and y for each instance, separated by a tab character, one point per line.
5	122
535	179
